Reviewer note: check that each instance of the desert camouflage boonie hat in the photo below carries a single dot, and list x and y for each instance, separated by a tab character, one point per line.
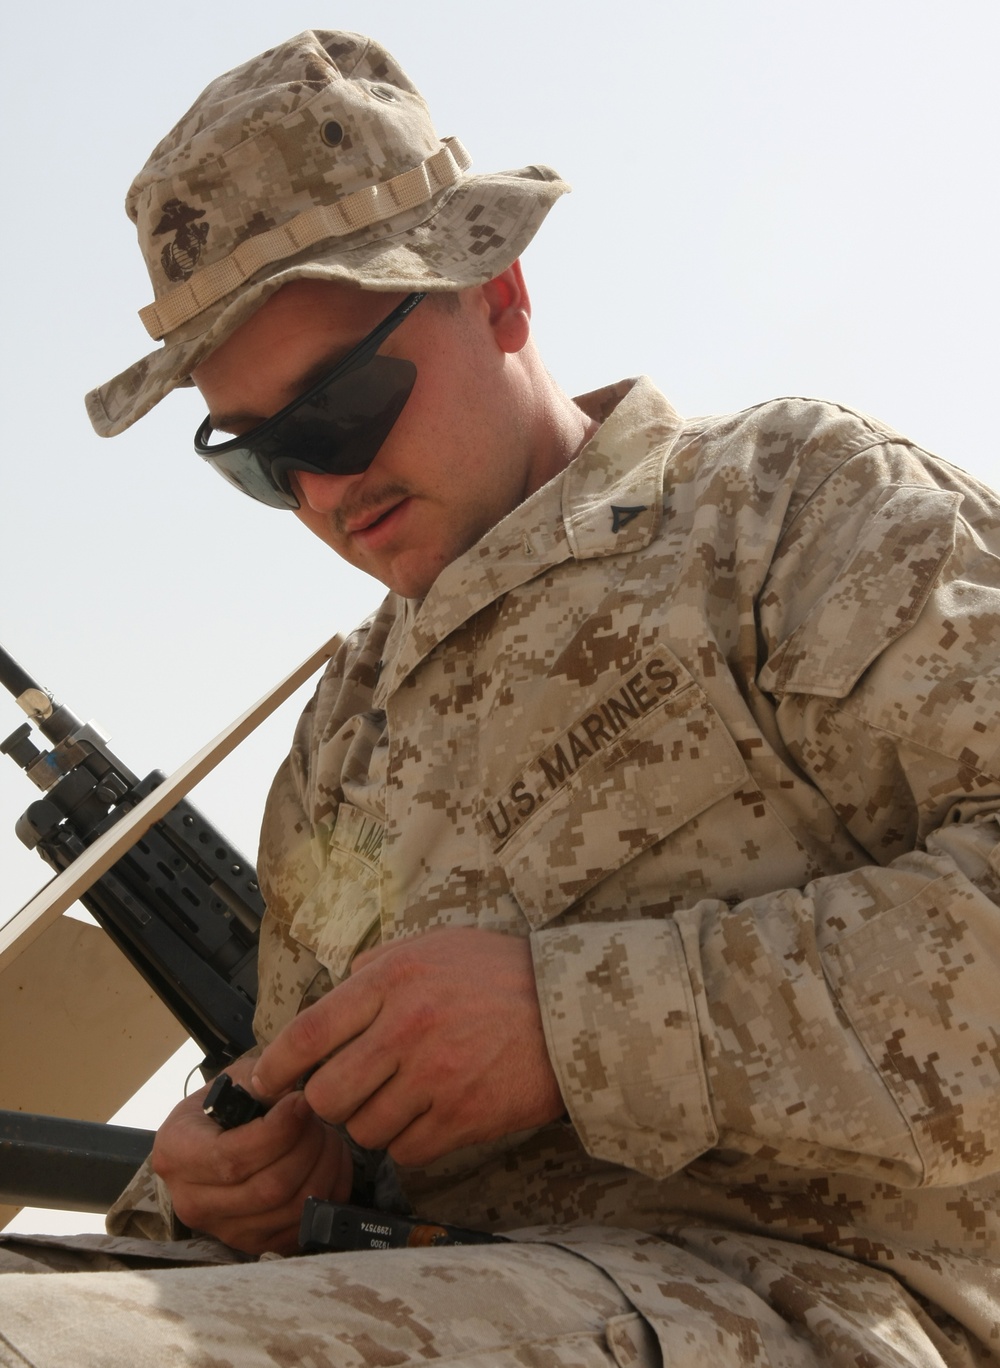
315	160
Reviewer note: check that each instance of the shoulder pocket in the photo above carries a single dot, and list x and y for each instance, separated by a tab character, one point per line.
875	599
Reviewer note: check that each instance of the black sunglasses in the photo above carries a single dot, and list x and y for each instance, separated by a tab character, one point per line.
335	428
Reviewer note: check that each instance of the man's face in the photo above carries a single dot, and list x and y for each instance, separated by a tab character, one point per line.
462	453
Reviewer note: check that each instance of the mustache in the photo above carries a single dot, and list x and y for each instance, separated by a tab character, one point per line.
369	501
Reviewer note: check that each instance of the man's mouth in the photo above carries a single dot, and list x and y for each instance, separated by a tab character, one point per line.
363	522
368	512
366	525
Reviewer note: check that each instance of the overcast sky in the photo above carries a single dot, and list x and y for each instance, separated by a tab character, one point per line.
770	197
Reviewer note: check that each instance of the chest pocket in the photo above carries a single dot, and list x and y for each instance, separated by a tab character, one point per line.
341	913
659	772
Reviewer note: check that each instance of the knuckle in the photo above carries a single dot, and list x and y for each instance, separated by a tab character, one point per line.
167	1157
160	1162
424	1015
393	969
416	1017
411	1153
365	1132
323	1099
189	1211
230	1172
270	1190
402	965
234	1164
307	1033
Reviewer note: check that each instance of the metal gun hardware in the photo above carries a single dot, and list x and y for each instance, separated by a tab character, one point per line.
182	905
328	1227
229	1105
334	1227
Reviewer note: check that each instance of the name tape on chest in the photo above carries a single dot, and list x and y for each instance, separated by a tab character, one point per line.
359	834
602	729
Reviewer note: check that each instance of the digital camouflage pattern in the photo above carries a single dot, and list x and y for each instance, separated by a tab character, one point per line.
317	159
711	719
529	1304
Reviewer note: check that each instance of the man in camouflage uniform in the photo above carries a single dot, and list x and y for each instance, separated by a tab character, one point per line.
681	740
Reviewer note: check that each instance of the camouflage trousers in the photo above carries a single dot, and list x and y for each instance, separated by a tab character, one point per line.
598	1298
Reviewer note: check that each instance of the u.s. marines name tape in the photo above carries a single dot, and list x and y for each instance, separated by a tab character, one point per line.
602	728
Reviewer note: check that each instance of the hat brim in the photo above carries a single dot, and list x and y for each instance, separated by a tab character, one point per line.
470	235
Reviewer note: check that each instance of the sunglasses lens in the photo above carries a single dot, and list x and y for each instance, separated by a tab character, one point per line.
339	430
252	476
336	430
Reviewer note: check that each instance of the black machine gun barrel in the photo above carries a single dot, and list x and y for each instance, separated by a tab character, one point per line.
182	905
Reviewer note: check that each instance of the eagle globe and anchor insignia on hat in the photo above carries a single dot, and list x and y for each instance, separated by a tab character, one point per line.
179	256
317	160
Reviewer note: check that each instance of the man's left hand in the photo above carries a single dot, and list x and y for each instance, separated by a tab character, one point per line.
433	1043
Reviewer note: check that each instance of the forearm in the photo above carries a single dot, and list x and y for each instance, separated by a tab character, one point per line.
845	1026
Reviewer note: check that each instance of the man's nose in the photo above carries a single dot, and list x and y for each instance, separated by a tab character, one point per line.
321	493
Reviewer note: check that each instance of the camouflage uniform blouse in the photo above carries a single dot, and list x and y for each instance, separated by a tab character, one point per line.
712	719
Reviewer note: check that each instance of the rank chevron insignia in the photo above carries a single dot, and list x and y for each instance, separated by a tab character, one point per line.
621	517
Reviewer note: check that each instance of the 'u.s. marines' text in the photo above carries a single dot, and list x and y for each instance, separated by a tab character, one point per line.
597	730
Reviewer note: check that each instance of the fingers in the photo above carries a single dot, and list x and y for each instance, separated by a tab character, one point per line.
414	1133
435	1042
315	1034
420	1061
246	1186
263	1211
264	1214
376	1120
191	1146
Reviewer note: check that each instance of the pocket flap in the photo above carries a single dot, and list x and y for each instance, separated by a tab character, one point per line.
673	764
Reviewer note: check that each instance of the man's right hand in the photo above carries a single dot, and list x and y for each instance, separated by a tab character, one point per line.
247	1186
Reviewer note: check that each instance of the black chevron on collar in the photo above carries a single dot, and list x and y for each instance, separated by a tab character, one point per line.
621	517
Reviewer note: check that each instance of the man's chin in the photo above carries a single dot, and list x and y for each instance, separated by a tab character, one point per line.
409	577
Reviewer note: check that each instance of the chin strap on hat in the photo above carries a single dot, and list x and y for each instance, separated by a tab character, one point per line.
362	208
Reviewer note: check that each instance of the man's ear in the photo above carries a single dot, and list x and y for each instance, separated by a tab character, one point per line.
506	297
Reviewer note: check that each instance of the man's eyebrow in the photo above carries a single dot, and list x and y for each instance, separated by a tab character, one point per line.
315	373
227	422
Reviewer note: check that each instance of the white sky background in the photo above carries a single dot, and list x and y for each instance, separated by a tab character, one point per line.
773	197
